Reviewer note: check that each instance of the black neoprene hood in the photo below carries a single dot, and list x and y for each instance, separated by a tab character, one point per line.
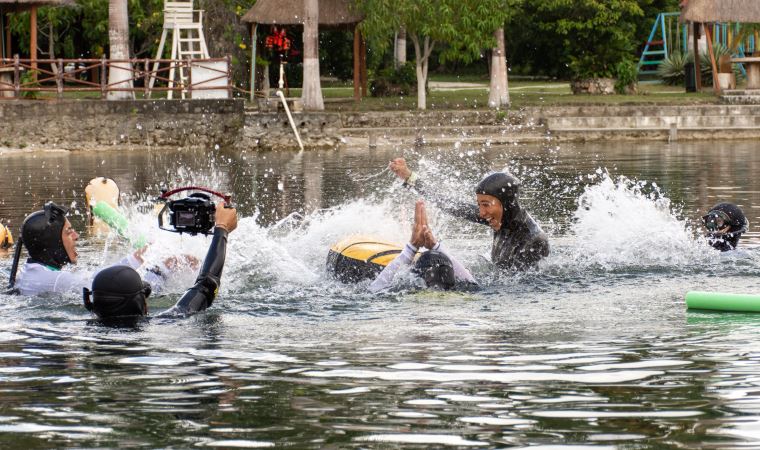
737	220
41	234
436	269
505	187
118	291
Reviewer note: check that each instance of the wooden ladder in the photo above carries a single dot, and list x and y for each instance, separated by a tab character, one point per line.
188	41
190	45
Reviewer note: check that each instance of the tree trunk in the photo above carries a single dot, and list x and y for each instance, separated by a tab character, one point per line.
33	40
400	48
498	93
51	47
265	81
119	74
422	56
312	91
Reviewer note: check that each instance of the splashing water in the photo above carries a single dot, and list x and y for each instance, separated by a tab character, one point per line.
622	223
619	224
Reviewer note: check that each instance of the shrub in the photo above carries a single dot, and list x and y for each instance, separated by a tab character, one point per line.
626	74
29	78
394	82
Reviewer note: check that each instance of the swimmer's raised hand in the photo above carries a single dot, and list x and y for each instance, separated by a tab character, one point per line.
226	218
428	239
419	226
422	235
399	167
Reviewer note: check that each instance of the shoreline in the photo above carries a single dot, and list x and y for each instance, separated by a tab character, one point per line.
91	125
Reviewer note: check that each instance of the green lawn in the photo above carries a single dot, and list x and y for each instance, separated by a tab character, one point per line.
522	93
339	96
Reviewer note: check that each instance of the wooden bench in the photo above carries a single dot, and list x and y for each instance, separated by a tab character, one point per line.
752	66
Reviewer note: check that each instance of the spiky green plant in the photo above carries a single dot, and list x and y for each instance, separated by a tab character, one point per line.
672	69
706	64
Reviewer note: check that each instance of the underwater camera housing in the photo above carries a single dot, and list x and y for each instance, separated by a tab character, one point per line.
194	214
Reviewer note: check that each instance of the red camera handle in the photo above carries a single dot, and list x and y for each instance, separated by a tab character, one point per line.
227	198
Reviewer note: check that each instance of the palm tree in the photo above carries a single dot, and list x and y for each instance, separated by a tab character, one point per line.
312	91
498	93
120	74
746	31
399	53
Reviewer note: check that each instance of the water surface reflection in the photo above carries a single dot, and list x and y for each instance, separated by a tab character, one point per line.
593	350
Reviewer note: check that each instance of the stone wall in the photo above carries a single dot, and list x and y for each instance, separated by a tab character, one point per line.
96	124
272	130
88	124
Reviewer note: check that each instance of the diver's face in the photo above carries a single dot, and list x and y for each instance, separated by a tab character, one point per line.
69	237
717	223
491	210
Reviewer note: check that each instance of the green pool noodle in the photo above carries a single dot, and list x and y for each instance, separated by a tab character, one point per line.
116	221
721	301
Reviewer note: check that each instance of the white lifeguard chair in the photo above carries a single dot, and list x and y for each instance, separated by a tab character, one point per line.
188	41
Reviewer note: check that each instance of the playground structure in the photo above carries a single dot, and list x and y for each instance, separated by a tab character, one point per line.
669	34
188	41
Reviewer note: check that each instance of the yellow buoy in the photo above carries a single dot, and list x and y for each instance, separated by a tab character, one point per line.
100	189
6	238
360	257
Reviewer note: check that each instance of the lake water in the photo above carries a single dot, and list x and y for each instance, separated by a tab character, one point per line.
594	350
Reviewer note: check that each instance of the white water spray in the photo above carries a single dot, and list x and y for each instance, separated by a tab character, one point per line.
622	223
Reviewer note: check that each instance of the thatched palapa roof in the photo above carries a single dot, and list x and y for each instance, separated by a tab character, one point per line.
24	5
291	12
745	11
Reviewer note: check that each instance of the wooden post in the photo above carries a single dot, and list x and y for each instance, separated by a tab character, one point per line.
229	76
254	28
103	77
8	48
363	69
33	41
189	78
146	79
708	36
697	62
59	78
16	77
357	67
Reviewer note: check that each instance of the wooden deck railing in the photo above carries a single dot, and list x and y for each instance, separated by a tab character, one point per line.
25	77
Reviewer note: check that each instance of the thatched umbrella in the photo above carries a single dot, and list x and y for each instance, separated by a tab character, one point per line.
14	6
291	12
747	11
701	11
332	13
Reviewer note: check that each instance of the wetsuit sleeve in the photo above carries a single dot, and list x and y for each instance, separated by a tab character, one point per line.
463	210
460	272
532	253
203	292
385	278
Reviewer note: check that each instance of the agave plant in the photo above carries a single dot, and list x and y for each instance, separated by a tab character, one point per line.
706	64
672	69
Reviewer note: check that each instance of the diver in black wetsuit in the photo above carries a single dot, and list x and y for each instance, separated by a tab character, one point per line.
518	241
118	294
725	223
